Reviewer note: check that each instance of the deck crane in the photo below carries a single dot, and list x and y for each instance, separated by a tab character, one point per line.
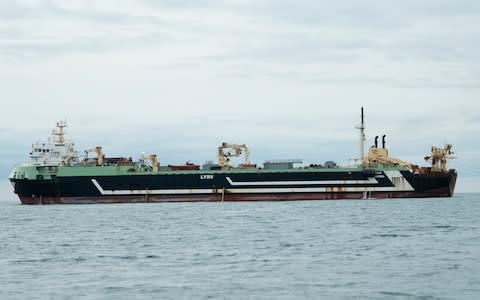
439	157
227	150
153	159
99	152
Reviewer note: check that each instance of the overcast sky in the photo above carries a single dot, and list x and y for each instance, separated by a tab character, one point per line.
288	78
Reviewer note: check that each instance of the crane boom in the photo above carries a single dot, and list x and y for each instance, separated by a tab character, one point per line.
99	152
153	159
439	157
227	150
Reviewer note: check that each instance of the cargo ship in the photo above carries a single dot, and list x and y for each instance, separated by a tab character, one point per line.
57	174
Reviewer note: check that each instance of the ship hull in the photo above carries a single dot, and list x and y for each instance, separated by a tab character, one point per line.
247	186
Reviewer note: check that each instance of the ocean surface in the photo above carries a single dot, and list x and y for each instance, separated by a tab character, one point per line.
366	249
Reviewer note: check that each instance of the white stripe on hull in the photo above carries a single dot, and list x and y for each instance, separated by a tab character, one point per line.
395	177
152	192
313	190
370	180
400	183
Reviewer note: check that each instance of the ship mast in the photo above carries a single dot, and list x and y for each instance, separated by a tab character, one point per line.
60	134
361	127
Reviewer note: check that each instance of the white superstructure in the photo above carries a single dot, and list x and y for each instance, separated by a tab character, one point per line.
58	152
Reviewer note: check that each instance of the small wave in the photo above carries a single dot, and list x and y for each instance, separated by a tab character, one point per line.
115	288
79	259
454	267
442	226
288	245
28	261
391	235
446	228
224	255
342	285
397	294
127	257
427	274
123	257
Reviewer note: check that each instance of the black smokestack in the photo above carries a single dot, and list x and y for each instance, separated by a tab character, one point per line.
383	141
376	141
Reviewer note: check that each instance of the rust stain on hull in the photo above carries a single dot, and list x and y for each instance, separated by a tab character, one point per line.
337	195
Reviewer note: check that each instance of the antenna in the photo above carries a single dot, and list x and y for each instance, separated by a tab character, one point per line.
361	127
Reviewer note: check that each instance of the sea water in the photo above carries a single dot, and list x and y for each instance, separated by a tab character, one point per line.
369	249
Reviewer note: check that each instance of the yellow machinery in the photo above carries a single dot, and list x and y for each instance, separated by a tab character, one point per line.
153	159
380	155
226	150
439	157
98	151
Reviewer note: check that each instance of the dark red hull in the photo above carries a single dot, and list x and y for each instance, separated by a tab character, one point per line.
230	197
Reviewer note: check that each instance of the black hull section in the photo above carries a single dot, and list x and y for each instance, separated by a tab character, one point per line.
240	186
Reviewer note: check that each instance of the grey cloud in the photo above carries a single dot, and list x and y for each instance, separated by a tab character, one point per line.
288	47
441	47
367	13
302	49
28	44
181	4
12	10
31	48
44	9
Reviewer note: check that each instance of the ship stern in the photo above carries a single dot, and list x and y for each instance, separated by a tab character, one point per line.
452	180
